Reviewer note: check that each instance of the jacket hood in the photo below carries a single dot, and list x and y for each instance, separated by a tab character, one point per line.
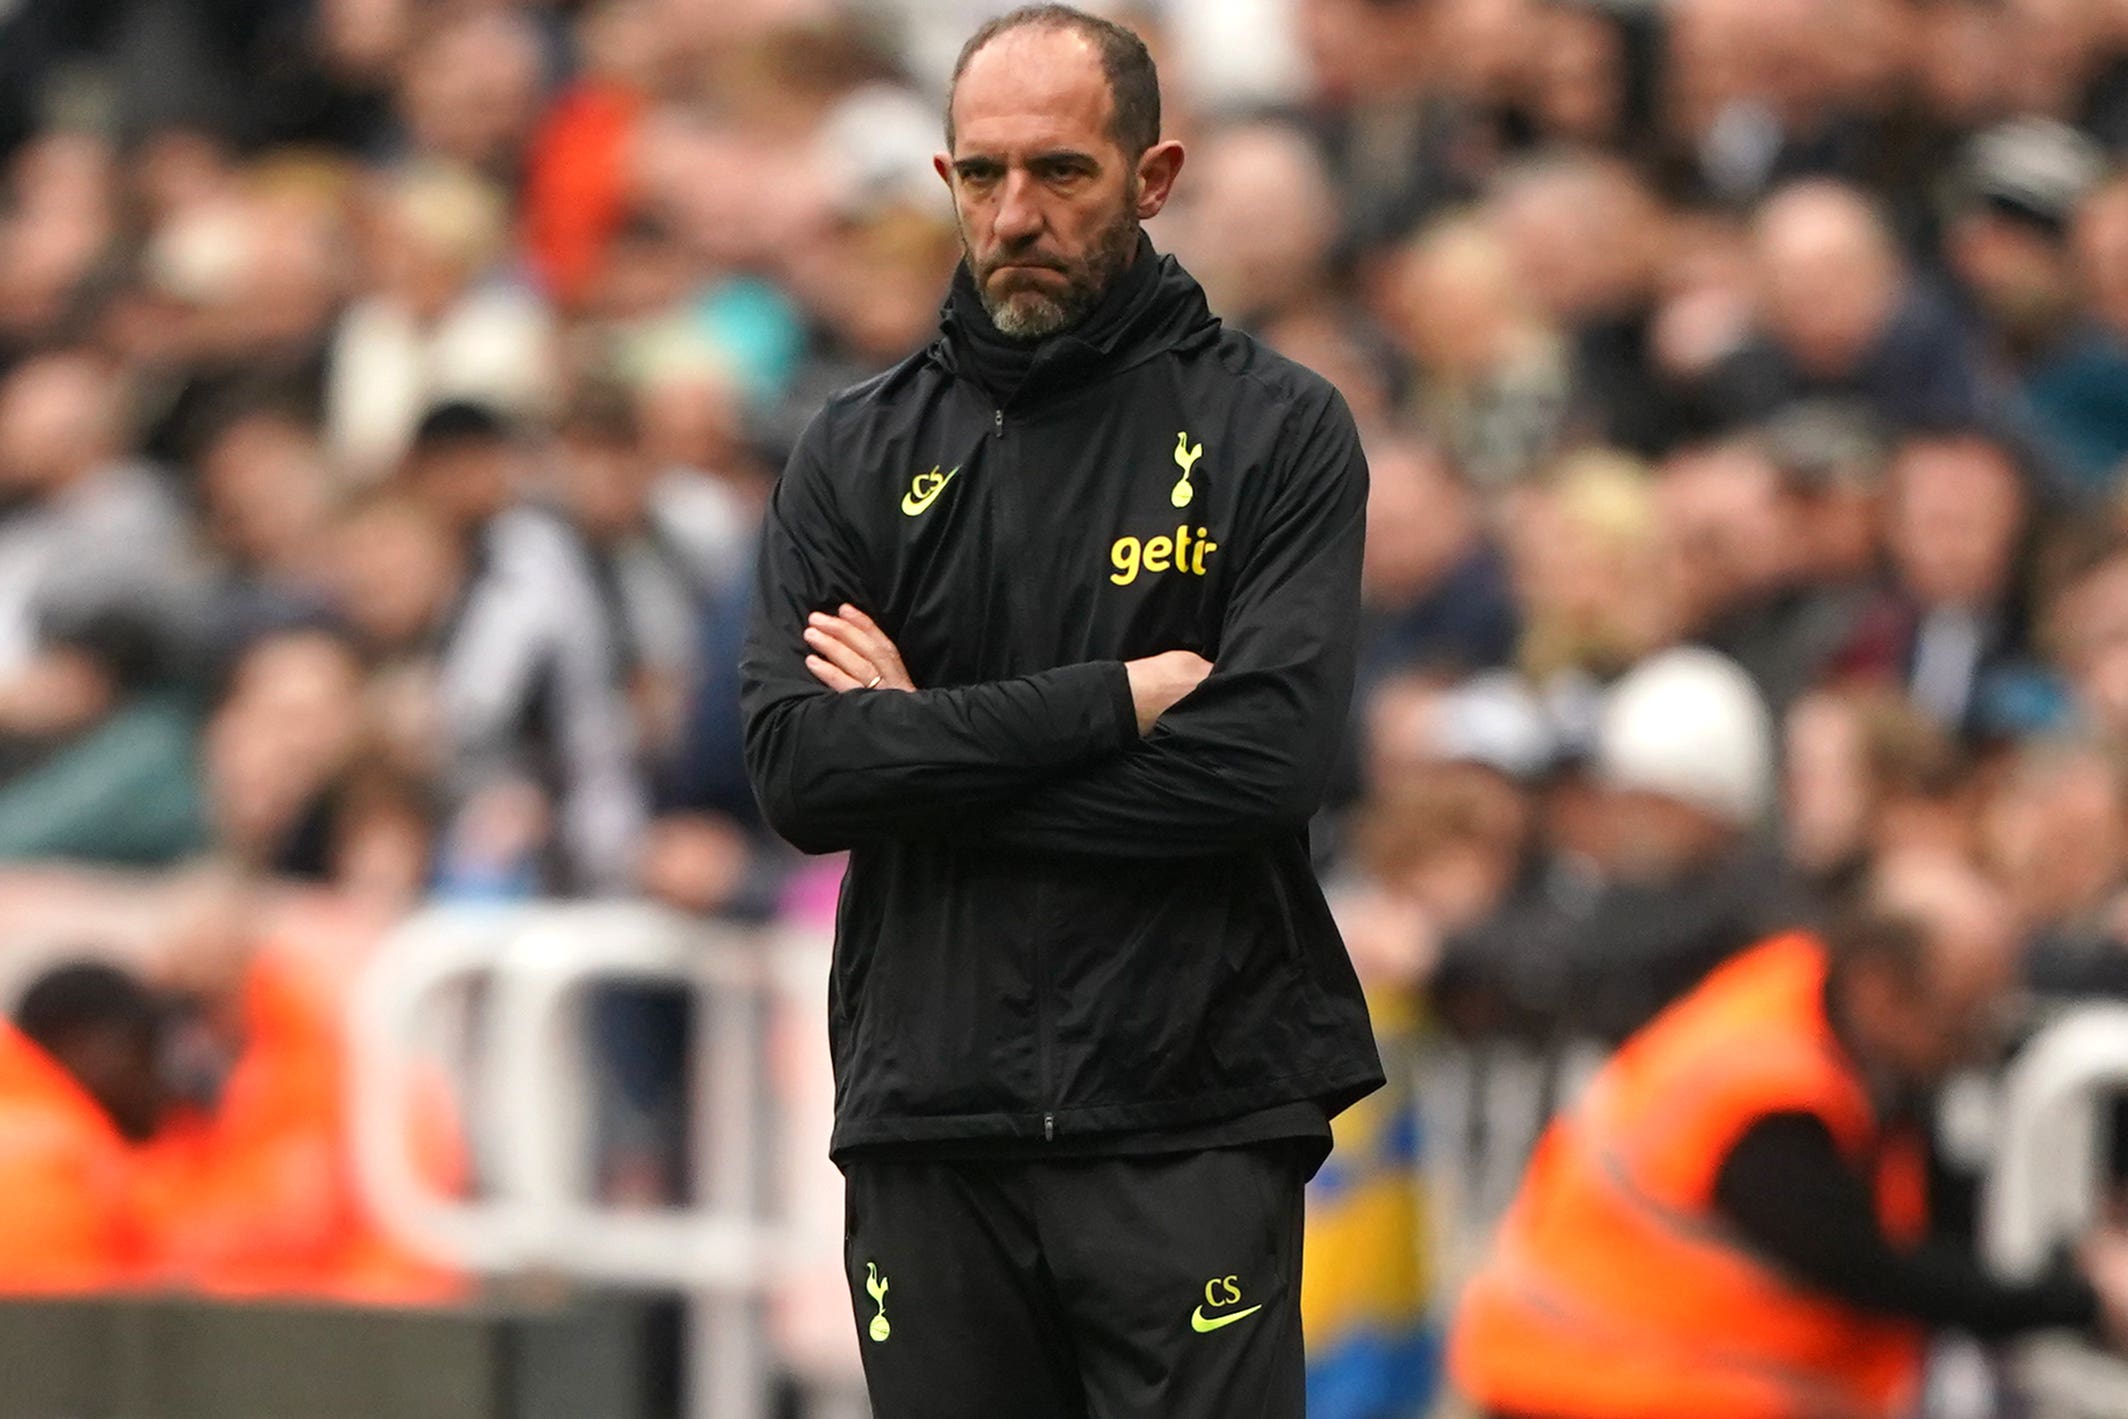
1156	307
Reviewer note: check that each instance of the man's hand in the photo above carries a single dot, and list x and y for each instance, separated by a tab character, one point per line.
1158	682
851	652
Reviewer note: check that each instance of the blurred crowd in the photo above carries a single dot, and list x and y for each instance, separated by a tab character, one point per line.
389	388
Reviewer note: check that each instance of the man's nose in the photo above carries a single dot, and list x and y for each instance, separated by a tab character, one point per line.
1019	214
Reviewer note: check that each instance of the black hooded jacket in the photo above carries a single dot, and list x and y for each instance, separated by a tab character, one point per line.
1052	928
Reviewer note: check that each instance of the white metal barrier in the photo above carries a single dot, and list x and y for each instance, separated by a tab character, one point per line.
530	967
2044	1190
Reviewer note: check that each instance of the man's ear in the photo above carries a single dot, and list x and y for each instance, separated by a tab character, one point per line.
942	164
1157	171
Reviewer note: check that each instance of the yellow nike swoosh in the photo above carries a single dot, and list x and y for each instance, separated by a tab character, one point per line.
1202	1326
912	504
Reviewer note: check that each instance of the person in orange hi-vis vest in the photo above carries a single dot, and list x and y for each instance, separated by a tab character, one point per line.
1733	1221
254	1194
79	1089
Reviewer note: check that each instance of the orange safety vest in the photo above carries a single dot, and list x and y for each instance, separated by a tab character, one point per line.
258	1198
1615	1290
67	1218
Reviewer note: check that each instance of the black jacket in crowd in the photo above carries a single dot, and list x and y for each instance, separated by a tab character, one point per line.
1053	929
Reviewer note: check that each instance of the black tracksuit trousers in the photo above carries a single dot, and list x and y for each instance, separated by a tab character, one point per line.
1142	1287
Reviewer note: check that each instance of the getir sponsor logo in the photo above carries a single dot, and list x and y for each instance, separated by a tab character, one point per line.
1185	552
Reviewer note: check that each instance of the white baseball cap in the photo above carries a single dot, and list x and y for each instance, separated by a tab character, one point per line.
1688	724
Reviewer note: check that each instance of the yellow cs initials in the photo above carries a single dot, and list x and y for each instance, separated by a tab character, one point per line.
1180	553
1230	1285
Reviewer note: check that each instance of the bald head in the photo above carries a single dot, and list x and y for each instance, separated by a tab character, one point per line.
1963	919
1829	275
1026	39
1925	967
1271	163
1582	230
1263	218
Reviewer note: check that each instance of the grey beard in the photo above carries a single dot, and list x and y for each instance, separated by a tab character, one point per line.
1031	315
1028	316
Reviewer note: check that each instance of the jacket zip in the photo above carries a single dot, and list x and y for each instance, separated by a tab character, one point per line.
1041	985
1041	1013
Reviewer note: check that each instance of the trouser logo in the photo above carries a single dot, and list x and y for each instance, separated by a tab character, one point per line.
1220	1291
876	1286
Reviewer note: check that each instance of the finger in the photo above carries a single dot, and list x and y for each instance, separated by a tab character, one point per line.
843	654
868	645
829	676
846	658
874	642
867	640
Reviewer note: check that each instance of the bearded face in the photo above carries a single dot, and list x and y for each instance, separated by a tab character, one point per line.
1033	290
1047	196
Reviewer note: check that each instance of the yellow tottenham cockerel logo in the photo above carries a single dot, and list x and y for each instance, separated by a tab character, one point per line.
876	1287
1185	459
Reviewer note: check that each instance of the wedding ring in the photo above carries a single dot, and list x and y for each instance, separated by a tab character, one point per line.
873	683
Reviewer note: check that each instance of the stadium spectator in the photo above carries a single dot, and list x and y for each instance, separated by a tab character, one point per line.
79	1091
2063	377
234	296
435	321
1596	583
248	1186
1398	148
1683	758
2101	236
91	538
1261	224
1868	776
279	750
1736	1218
526	690
1840	315
1436	584
1949	630
2056	831
62	217
1591	72
1491	376
469	90
1434	857
265	492
1741	537
580	174
1832	458
1585	233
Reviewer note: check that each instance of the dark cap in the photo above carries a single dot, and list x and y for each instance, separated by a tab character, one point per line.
457	422
1823	444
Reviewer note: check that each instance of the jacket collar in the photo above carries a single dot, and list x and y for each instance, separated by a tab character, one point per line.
1155	306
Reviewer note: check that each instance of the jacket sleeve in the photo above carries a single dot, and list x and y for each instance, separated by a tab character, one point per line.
835	770
1248	755
1786	1188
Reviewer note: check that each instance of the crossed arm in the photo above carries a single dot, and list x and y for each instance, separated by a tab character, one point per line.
1163	756
848	651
